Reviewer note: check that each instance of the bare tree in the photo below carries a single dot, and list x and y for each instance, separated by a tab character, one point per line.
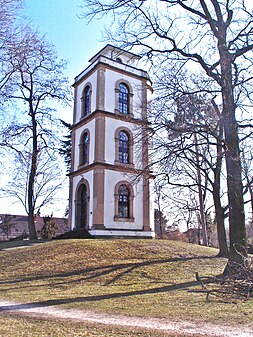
248	174
38	80
213	36
9	14
160	220
9	10
189	141
48	180
183	206
7	225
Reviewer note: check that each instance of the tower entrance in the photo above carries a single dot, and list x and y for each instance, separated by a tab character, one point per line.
82	207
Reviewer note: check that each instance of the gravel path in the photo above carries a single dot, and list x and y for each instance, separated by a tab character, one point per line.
152	323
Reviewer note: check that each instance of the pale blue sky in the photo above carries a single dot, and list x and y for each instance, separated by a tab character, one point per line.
73	38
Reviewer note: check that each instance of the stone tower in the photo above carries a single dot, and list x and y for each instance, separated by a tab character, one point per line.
110	185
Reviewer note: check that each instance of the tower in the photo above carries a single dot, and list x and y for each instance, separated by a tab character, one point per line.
110	187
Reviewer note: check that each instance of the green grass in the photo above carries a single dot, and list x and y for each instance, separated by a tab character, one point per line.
148	278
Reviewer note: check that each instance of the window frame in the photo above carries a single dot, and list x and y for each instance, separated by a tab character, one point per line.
123	201
86	100
130	147
82	146
123	147
130	98
130	202
123	99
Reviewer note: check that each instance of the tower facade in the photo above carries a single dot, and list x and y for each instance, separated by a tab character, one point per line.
110	186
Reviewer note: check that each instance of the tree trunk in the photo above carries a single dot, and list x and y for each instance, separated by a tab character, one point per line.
31	226
250	190
219	212
237	233
201	199
251	201
33	169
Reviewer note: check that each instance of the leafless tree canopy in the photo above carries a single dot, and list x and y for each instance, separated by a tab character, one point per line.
9	31
179	30
214	39
35	82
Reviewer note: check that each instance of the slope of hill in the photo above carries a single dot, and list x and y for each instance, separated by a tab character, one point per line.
148	278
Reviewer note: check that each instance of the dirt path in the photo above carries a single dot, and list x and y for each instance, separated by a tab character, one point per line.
152	323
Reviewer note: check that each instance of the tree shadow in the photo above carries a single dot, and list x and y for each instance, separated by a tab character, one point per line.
88	274
94	298
6	245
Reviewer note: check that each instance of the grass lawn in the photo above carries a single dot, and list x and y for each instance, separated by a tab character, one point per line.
148	278
12	326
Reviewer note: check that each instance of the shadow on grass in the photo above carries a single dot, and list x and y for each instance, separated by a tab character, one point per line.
94	298
5	245
88	274
95	272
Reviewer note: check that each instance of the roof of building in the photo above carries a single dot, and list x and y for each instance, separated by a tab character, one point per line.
115	50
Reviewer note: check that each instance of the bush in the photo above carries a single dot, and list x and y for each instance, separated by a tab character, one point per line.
49	228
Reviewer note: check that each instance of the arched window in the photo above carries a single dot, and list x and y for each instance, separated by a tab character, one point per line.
123	147
86	98
84	148
123	201
123	99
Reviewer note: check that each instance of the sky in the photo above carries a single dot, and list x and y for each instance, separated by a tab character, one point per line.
76	42
73	38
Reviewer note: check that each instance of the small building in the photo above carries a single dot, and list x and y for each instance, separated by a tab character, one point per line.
110	184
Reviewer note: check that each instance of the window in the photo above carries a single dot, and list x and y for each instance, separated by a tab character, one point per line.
84	148
86	105
123	202
123	99
123	147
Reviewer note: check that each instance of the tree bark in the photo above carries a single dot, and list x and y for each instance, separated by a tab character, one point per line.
216	190
33	169
200	195
237	233
219	212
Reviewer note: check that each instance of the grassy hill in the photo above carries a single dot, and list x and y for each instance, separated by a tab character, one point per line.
150	278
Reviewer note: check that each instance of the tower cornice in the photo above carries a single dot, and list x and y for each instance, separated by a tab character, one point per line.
108	114
108	63
105	166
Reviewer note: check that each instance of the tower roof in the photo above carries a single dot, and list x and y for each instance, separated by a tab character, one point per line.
113	52
115	58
